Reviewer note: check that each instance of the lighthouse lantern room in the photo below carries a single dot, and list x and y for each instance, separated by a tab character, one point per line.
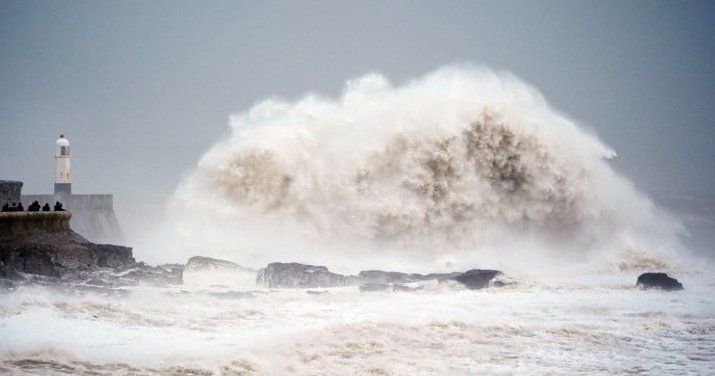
63	176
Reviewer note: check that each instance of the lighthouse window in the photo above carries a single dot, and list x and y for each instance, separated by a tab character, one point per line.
64	150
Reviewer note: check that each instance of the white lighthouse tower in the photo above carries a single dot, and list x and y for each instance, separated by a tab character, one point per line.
63	176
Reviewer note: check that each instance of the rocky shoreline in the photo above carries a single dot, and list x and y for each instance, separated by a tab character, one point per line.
66	258
295	275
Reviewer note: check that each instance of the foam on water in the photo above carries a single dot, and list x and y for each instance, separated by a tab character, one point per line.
532	329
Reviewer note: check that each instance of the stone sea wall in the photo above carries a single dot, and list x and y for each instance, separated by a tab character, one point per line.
93	215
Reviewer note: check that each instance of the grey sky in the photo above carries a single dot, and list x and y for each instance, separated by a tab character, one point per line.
142	89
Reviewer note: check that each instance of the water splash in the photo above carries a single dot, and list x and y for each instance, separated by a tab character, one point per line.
463	165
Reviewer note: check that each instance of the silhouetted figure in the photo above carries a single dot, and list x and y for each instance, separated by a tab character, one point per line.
46	207
20	207
13	208
6	207
58	206
34	207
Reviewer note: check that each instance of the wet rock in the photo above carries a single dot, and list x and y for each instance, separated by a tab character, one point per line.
64	257
60	254
297	275
477	278
381	277
208	264
658	281
207	271
310	276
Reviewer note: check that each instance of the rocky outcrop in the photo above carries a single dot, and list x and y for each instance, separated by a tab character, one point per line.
207	271
60	254
208	264
658	281
50	256
477	278
293	274
372	280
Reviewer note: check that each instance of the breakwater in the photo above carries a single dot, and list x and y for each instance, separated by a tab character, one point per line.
93	215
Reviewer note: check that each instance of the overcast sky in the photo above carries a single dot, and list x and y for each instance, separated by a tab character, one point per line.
142	89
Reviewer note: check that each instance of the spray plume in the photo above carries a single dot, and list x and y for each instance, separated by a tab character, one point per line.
460	167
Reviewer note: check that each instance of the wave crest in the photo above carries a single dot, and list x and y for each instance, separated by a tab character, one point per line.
459	159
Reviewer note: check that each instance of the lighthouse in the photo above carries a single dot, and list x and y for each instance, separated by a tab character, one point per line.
63	176
93	215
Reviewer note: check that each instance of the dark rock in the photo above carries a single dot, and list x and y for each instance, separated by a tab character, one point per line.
476	278
658	281
310	276
112	256
294	275
53	257
60	254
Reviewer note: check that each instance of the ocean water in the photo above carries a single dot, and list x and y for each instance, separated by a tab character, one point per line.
600	325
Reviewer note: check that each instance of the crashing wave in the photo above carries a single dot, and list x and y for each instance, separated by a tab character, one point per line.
461	159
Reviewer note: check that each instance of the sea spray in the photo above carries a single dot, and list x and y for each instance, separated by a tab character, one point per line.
462	167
